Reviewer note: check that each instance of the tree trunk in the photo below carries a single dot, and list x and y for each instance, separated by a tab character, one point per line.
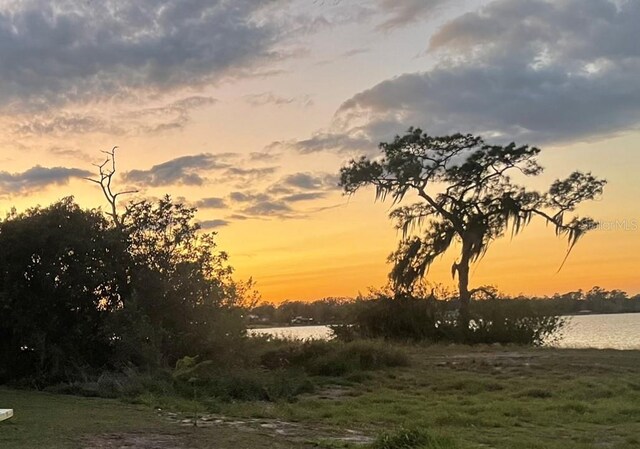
463	291
463	283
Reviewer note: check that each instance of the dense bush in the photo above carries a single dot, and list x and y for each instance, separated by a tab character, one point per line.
403	318
415	319
280	369
56	292
512	321
334	358
81	294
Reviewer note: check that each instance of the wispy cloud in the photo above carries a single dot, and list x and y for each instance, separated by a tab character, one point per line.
213	224
400	13
310	181
185	170
174	115
281	199
211	203
308	196
62	124
269	98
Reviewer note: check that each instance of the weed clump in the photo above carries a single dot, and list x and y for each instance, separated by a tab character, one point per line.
412	439
334	358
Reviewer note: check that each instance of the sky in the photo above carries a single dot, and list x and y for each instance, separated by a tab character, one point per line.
247	109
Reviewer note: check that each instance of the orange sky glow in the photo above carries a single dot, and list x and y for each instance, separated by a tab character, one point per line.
253	129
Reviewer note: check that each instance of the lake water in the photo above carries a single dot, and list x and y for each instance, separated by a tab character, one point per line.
617	331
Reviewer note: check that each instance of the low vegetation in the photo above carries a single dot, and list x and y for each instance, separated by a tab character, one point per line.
448	397
408	318
411	439
268	370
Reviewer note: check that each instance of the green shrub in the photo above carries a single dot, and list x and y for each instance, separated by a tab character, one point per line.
333	358
503	321
207	379
288	354
402	319
357	356
128	383
512	321
411	439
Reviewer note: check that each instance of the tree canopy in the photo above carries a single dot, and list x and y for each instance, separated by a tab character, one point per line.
467	195
82	292
56	290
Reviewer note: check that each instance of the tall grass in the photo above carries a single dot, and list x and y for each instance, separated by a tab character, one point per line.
267	370
412	439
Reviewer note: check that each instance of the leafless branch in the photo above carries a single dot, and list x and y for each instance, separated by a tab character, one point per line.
106	172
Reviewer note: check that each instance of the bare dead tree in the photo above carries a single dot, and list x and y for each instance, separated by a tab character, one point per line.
106	172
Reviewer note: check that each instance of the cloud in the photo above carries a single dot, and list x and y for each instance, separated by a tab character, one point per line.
179	107
355	52
174	115
281	198
401	13
37	178
264	156
535	71
55	53
63	123
329	140
297	197
134	121
213	224
185	170
269	98
69	153
260	205
211	203
244	176
310	181
269	208
246	197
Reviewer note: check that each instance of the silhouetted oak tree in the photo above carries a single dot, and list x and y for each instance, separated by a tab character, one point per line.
177	293
466	196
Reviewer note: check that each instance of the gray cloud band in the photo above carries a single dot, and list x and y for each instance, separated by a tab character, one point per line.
535	71
71	51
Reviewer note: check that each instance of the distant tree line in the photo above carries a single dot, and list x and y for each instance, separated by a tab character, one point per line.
596	300
341	310
323	311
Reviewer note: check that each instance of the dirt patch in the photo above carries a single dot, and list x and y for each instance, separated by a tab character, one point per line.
135	441
200	437
481	360
273	428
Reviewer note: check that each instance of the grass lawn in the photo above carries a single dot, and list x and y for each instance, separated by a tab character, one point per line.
471	397
50	421
489	398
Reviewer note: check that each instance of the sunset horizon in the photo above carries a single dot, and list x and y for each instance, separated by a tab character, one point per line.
295	224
